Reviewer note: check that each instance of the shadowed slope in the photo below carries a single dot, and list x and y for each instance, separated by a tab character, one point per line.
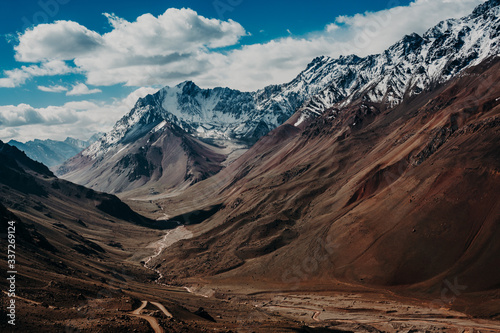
163	159
67	237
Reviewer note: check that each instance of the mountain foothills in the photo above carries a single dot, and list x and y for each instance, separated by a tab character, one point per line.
62	242
52	152
78	257
191	132
362	196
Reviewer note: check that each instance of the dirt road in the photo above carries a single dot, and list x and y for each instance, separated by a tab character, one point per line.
151	320
163	309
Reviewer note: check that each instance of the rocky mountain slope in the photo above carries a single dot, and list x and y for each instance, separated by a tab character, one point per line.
65	287
163	158
78	253
368	192
402	197
70	243
52	152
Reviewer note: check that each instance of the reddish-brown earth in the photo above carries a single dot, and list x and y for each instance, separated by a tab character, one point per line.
366	219
403	199
78	262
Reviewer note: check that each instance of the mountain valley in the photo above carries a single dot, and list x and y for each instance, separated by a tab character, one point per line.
362	196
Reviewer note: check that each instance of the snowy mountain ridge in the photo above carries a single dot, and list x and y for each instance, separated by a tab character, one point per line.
405	69
411	65
218	113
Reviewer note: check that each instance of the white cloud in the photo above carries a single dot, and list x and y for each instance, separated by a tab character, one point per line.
177	30
80	105
19	76
82	89
129	101
156	51
24	114
79	119
62	40
180	45
147	50
53	89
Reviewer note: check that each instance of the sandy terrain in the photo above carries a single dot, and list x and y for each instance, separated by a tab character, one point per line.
366	312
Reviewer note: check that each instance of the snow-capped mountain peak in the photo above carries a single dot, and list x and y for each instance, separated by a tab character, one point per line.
406	68
412	64
218	113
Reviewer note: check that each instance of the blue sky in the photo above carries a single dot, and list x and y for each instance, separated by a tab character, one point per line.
68	70
264	20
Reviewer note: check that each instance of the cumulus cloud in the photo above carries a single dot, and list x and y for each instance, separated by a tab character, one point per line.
62	40
19	76
180	45
79	106
145	51
53	89
129	101
82	89
81	119
158	50
175	31
24	114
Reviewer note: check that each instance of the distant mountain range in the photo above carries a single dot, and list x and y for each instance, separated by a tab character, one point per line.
217	122
52	152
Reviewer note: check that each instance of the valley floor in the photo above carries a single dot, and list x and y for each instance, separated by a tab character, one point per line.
136	303
363	312
155	308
